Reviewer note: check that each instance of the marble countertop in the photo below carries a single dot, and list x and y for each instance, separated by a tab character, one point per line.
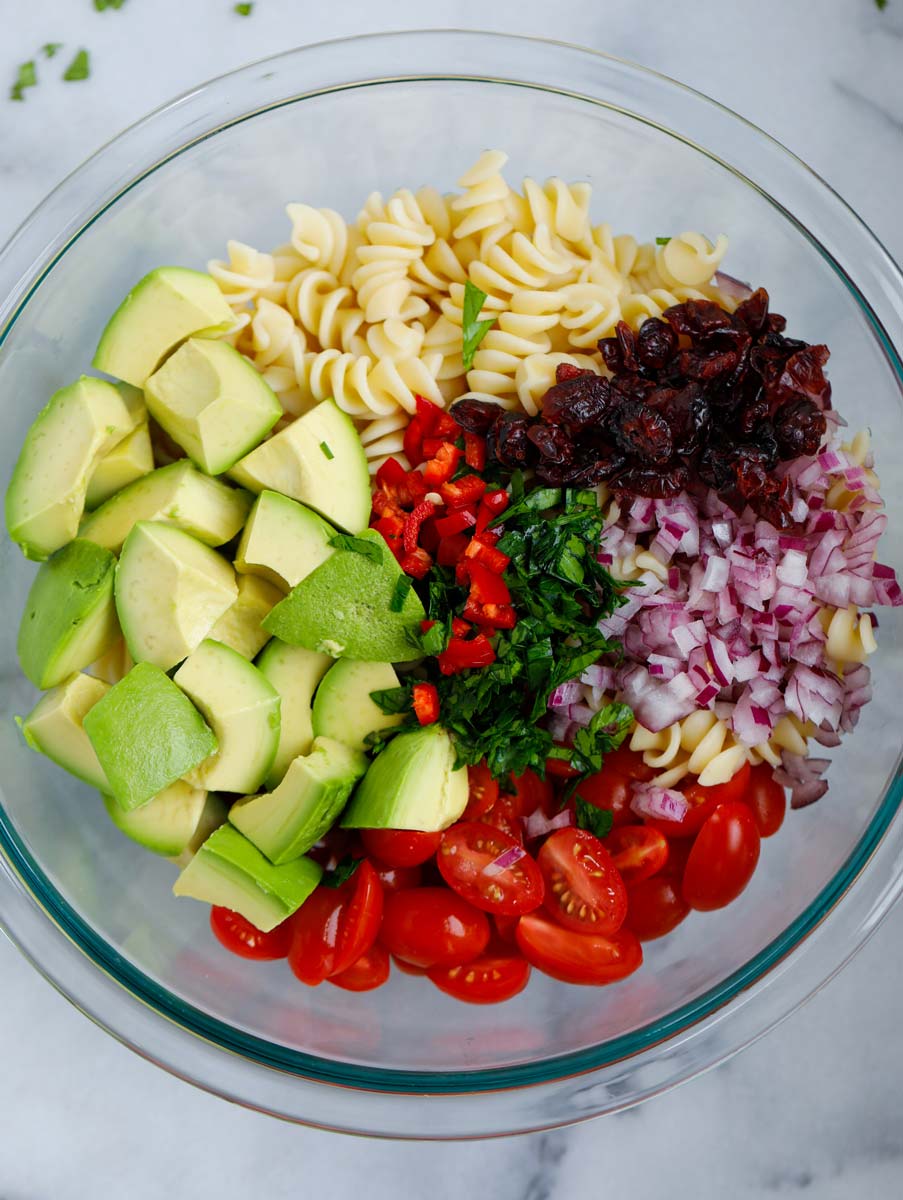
815	1106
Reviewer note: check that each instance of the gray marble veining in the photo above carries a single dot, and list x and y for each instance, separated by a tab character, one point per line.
814	1108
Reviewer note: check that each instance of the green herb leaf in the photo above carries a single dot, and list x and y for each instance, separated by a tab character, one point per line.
473	330
356	545
103	5
243	10
324	446
434	641
596	820
343	872
80	67
26	77
400	593
49	49
393	700
882	4
662	241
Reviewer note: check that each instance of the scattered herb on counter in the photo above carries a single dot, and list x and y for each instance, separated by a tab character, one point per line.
597	820
244	10
881	4
473	330
342	873
79	68
51	49
26	77
103	5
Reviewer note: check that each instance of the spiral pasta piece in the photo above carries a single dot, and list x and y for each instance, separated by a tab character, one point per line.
364	388
485	193
536	374
590	312
561	207
383	438
325	310
519	262
689	260
319	236
849	635
246	275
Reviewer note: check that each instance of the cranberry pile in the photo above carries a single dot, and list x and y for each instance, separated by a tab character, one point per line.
703	397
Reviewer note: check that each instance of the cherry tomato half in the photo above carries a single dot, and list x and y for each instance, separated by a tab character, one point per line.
484	791
335	926
432	927
584	890
702	801
628	762
765	798
407	968
504	928
489	979
577	957
609	790
531	793
656	905
246	940
723	857
400	847
504	816
366	973
637	851
490	869
394	879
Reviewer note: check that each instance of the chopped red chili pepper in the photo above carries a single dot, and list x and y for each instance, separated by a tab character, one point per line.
451	550
391	475
491	506
412	524
474	451
435	421
456	523
429	538
416	563
462	492
486	587
460	628
413	442
390	526
460	655
491	616
442	465
491	558
426	703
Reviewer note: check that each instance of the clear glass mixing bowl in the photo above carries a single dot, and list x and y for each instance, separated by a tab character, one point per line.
328	124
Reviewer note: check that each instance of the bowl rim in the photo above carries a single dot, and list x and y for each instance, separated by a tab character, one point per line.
19	281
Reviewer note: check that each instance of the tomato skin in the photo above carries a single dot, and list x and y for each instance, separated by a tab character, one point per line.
656	905
432	927
468	861
628	762
504	816
335	926
395	879
366	973
765	799
484	791
237	934
723	858
703	801
609	790
407	968
489	979
504	928
531	793
584	891
575	957
400	847
637	851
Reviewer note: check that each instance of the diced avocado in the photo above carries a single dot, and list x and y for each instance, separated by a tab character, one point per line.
132	459
319	460
242	709
169	823
114	664
55	727
146	734
286	822
294	672
342	706
165	307
412	784
178	495
69	618
229	870
171	590
283	541
345	608
46	495
239	626
212	402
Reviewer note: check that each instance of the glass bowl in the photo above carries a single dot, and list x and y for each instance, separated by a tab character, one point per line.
328	124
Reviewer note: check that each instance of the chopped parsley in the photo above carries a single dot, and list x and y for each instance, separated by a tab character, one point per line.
596	820
342	872
80	67
26	77
662	241
402	586
324	446
50	49
345	541
882	4
473	330
243	10
103	5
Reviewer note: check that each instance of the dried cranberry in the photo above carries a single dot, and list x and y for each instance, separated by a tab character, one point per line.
578	402
565	371
619	352
803	375
475	416
552	443
707	365
687	413
646	481
752	314
507	441
696	318
642	432
656	344
799	428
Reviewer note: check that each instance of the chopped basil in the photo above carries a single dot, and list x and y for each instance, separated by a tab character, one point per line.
343	872
243	10
596	820
79	68
434	641
324	446
400	594
49	49
102	5
26	77
473	330
662	241
345	541
882	4
392	700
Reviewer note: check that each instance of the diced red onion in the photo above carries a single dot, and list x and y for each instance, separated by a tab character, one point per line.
505	861
538	824
660	803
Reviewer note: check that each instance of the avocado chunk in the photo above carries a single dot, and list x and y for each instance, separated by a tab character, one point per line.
69	618
229	870
286	822
55	727
212	402
342	706
165	307
178	495
171	590
114	664
242	709
412	784
146	734
70	436
345	607
294	672
132	459
239	626
169	823
319	460
283	541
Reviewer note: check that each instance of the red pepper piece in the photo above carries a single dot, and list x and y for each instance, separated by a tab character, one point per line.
429	538
490	616
435	421
412	524
415	563
462	492
491	506
451	550
391	475
488	556
413	442
460	655
460	628
486	587
442	465
426	703
390	526
455	523
474	451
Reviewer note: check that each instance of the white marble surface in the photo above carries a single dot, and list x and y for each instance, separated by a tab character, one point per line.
815	1107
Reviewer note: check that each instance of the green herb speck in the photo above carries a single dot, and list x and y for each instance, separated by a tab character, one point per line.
244	10
324	446
103	5
597	820
79	68
473	331
26	77
400	594
49	49
662	241
356	545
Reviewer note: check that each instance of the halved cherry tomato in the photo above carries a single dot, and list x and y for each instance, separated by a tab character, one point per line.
655	906
628	762
489	979
366	973
531	793
637	851
504	927
396	879
610	790
584	890
723	857
504	815
577	957
335	926
490	869
765	798
560	768
432	927
702	801
407	968
484	791
246	940
400	847
331	848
